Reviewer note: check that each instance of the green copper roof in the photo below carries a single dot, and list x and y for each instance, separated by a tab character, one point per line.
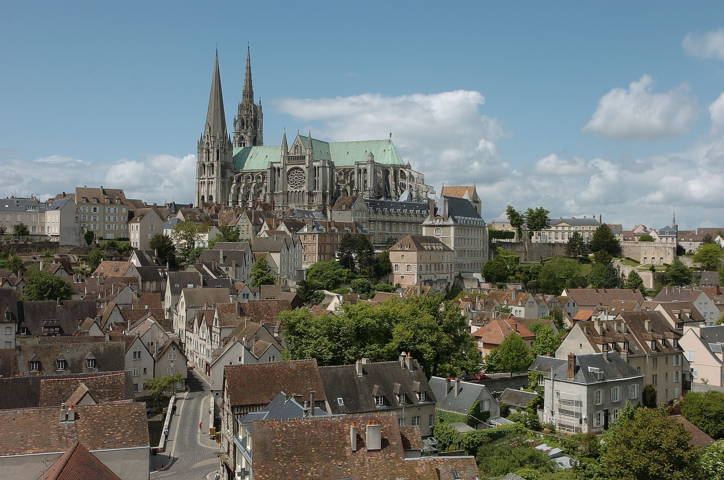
343	154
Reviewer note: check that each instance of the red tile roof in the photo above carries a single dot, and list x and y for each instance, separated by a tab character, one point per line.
77	463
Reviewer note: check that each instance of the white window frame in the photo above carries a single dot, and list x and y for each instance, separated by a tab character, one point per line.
598	397
616	394
633	391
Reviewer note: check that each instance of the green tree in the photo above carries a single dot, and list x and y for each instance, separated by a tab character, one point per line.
706	411
560	273
677	274
512	355
20	229
383	287
307	294
186	235
383	267
261	273
634	281
546	340
517	221
576	246
328	275
648	396
495	270
89	236
41	285
604	239
709	256
15	264
162	387
345	252
604	275
163	246
536	219
646	238
647	444
498	459
361	286
94	258
711	461
227	233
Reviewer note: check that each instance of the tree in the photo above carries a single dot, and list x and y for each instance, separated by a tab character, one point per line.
261	273
94	258
604	275
576	246
501	267
536	219
516	221
307	294
604	239
328	275
706	411
20	229
3	229
163	246
361	286
498	459
709	256
355	253
512	355
648	396
383	287
647	444
227	233
89	236
41	285
158	388
383	267
560	273
711	461
646	238
546	340
634	281
677	274
16	265
186	235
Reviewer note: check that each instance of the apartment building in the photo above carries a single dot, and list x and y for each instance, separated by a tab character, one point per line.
422	260
561	229
56	219
104	211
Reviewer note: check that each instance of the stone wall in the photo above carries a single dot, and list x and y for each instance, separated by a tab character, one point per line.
536	251
653	253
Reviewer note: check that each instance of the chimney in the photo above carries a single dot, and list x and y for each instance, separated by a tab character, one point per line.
647	325
401	359
408	361
358	368
67	415
311	404
353	436
571	366
374	436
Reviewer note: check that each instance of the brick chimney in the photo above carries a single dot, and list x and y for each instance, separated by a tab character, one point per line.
374	436
571	366
408	361
353	436
358	368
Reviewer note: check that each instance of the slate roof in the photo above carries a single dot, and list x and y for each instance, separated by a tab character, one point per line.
592	297
104	426
460	208
198	297
283	407
631	327
180	280
420	243
576	222
8	303
386	379
517	398
678	294
611	365
319	448
110	356
468	393
68	315
249	385
77	463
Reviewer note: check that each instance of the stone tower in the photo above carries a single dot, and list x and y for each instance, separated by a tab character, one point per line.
249	120
214	159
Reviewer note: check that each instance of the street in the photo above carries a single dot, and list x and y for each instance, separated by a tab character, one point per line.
192	453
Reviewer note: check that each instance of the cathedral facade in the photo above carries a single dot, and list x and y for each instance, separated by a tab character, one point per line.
308	173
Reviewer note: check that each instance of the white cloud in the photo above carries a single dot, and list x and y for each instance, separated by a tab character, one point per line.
554	164
705	45
443	135
716	112
639	113
155	178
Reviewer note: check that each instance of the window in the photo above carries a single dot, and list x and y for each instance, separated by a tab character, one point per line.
409	267
431	420
8	330
676	377
615	393
401	421
60	364
379	400
34	365
416	421
340	401
90	363
456	475
135	388
397	267
136	354
598	397
633	391
598	419
422	396
677	360
134	372
690	355
655	379
654	361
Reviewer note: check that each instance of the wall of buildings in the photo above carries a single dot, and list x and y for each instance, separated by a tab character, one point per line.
650	253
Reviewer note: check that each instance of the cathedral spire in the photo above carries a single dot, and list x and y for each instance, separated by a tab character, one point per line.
285	147
215	117
248	96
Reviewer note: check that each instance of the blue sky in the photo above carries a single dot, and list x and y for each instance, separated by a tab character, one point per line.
115	94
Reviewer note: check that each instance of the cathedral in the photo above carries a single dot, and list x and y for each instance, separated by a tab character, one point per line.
307	174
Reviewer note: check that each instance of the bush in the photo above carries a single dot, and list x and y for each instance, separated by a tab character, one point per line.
361	286
706	411
383	287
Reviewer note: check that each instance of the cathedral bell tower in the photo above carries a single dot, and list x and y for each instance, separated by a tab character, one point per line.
214	159
249	120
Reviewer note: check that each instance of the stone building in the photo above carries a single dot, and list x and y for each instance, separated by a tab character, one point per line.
421	260
57	219
103	211
308	174
561	229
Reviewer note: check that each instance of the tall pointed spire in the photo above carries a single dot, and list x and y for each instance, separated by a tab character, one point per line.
215	117
285	147
248	96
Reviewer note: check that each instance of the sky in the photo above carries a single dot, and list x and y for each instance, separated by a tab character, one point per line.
586	108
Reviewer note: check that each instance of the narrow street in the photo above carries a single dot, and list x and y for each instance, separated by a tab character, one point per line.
192	453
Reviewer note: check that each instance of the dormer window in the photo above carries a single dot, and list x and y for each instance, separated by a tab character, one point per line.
34	366
422	396
379	400
340	401
653	344
90	363
60	364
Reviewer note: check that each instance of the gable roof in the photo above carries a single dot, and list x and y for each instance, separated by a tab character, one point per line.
66	315
498	329
177	281
698	438
198	297
77	463
108	268
517	398
104	387
678	294
610	365
249	385
420	243
467	394
592	297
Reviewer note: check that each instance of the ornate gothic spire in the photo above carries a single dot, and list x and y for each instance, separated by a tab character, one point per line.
215	117
285	147
248	96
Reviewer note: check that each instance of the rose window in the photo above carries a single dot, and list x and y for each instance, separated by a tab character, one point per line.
295	179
